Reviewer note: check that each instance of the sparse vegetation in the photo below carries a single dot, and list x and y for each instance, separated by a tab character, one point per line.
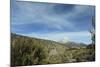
33	51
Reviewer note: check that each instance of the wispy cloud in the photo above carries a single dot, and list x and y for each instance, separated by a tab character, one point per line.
44	19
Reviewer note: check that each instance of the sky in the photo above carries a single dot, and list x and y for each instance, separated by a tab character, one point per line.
52	21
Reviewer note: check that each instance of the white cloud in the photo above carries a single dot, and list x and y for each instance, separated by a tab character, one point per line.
68	36
31	12
28	13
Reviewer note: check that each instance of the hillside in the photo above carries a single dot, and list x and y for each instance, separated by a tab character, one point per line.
33	51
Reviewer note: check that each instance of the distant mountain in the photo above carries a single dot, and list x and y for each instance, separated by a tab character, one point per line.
68	44
33	51
75	45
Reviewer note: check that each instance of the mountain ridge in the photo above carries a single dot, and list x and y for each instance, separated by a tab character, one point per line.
33	51
69	43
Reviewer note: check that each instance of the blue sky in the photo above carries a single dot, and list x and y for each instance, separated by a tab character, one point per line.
52	21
